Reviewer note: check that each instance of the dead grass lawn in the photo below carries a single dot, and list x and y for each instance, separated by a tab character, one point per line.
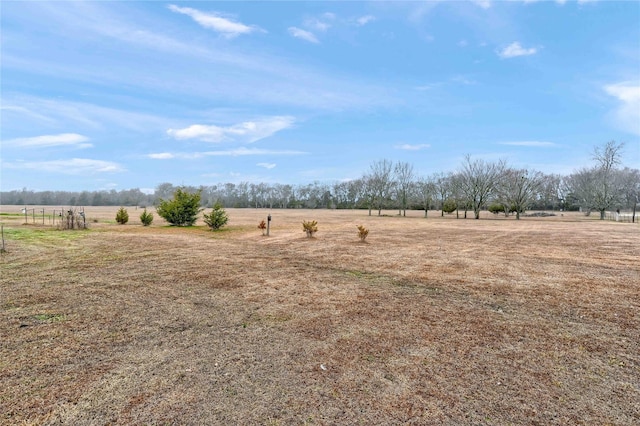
437	321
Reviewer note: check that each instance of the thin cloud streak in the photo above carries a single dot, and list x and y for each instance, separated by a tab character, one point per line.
46	141
74	166
215	21
303	35
267	165
409	147
248	131
239	152
529	143
262	81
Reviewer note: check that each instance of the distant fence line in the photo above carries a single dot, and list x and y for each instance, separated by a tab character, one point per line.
620	217
39	215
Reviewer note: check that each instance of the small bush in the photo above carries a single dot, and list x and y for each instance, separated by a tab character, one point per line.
362	232
146	218
449	206
183	210
310	227
263	226
496	208
122	216
217	218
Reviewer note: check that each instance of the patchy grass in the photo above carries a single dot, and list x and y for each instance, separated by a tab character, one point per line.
41	234
49	317
436	321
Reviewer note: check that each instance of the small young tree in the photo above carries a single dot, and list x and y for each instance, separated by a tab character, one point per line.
310	227
146	218
362	232
217	218
122	216
183	210
263	227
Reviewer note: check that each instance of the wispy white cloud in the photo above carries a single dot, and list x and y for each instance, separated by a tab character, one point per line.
419	10
409	147
74	166
485	4
267	165
304	35
461	79
162	156
364	20
560	2
515	49
83	115
240	76
19	110
627	114
528	143
317	24
215	21
45	141
239	152
251	151
248	131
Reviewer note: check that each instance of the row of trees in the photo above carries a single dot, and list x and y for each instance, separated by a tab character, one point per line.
477	184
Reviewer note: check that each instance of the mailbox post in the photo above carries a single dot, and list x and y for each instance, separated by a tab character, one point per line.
268	223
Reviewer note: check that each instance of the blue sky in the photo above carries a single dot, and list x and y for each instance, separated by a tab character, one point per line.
118	95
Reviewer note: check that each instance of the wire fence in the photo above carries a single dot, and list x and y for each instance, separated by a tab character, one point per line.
66	218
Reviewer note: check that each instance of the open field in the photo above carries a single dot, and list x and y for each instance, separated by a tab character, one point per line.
436	321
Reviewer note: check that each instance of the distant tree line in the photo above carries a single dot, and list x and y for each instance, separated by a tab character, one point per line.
476	185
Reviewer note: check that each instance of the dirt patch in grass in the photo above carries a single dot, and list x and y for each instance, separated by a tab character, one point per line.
436	321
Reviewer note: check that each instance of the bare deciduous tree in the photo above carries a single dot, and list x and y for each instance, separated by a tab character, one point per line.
425	189
403	177
380	182
442	184
580	189
608	186
551	191
518	189
479	179
631	189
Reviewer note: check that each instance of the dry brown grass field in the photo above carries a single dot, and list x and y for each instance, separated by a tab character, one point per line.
428	322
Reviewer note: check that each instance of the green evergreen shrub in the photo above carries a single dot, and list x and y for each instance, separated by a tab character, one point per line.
217	218
182	210
146	218
122	216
